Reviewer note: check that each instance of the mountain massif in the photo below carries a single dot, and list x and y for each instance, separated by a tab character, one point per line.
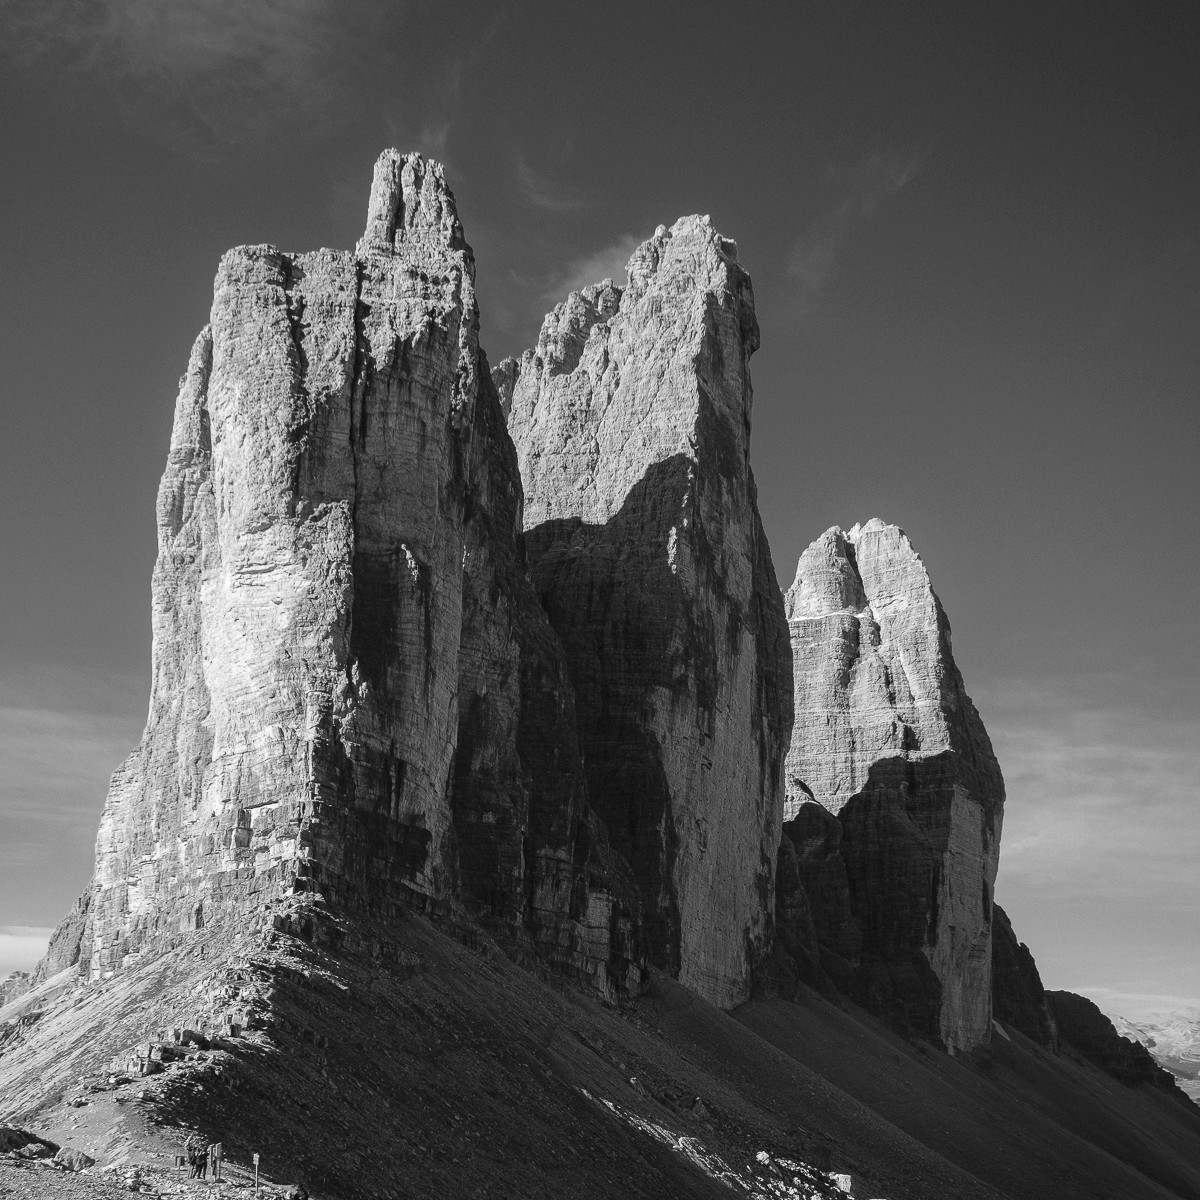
500	827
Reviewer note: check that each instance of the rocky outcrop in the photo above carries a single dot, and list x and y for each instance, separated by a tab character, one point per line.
631	419
894	798
1084	1028
66	942
13	985
1018	998
355	694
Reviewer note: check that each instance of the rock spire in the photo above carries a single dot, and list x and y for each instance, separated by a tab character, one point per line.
894	798
631	418
355	693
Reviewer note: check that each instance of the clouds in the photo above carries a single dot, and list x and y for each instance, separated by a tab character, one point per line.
1098	855
209	69
542	190
606	263
21	946
813	256
62	734
1137	1006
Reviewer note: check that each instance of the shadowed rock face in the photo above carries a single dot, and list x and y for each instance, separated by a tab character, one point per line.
631	419
887	741
1084	1028
1018	997
355	690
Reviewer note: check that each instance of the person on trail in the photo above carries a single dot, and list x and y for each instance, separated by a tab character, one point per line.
197	1156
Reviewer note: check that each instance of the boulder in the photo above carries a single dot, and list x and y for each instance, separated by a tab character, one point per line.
631	418
73	1160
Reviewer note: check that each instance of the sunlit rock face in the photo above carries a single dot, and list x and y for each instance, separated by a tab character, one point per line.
631	419
355	691
887	740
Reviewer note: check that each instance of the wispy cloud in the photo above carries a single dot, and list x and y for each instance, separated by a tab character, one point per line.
21	946
606	263
62	734
444	94
228	69
1097	859
543	190
863	187
1139	1006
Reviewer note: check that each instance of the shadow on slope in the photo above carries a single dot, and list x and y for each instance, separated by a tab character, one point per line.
430	1066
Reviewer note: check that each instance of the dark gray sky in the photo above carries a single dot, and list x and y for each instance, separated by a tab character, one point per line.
974	234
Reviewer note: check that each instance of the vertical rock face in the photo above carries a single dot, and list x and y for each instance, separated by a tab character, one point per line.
887	739
631	419
355	690
1018	997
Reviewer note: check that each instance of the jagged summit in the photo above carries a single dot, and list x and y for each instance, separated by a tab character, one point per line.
874	670
411	204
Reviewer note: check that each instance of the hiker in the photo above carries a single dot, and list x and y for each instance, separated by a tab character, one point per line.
202	1162
193	1157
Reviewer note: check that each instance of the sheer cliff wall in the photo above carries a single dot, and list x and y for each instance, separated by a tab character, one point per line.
631	419
355	691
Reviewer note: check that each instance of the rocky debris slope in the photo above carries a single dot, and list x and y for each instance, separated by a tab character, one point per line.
631	418
894	798
355	691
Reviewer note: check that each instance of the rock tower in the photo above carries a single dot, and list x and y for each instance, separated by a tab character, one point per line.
894	798
631	419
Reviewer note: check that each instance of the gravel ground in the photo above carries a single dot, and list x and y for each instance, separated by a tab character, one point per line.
38	1181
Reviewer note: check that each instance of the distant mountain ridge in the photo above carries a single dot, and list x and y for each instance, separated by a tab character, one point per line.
1173	1038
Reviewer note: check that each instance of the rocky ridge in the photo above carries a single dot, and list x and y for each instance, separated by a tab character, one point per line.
631	418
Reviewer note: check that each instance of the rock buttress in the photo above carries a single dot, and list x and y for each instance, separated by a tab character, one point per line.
1018	997
631	419
887	739
338	587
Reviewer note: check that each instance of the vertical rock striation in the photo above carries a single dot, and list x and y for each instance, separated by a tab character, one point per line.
887	740
355	691
631	419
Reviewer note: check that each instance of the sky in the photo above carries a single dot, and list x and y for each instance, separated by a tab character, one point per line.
974	236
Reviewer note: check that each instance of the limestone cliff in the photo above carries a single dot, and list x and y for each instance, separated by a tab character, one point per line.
631	419
355	691
888	742
1018	997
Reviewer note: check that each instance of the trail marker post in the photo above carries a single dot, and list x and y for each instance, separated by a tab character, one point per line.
255	1156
